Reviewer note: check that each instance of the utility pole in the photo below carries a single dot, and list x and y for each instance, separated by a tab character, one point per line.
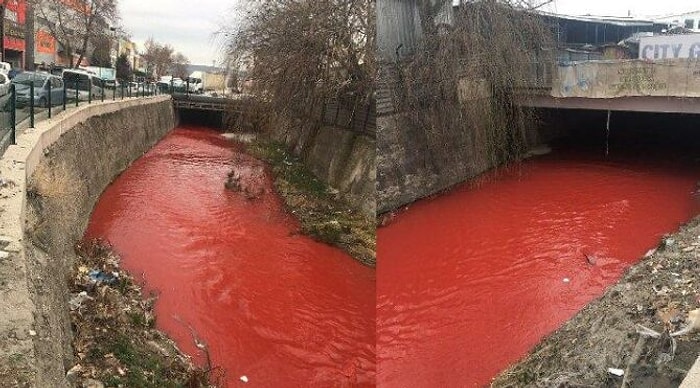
2	31
29	34
116	38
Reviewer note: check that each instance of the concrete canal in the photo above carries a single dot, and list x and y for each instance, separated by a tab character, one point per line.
471	280
234	273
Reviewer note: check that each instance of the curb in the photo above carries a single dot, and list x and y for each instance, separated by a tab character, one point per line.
692	379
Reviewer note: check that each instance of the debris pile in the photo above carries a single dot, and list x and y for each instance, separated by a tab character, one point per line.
248	177
643	332
116	343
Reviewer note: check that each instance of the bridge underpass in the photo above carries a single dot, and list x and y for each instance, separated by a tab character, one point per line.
671	86
652	104
623	103
209	111
628	130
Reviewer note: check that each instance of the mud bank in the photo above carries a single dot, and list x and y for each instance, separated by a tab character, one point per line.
55	175
657	293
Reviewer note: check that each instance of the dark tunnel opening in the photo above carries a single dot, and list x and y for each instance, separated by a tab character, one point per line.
632	134
206	118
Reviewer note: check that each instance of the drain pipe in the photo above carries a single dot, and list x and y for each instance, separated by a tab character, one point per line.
607	135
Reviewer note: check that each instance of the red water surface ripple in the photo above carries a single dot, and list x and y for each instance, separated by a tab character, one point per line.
471	280
270	304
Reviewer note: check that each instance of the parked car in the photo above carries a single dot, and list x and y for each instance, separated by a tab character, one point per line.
5	67
4	84
43	82
111	84
88	84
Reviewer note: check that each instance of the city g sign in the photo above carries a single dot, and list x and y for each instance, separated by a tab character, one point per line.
669	47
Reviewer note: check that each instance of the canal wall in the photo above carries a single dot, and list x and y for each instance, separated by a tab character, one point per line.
342	158
415	162
52	179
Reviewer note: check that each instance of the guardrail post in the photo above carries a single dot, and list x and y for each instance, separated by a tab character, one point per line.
172	86
31	104
48	98
102	87
114	91
13	114
188	85
77	94
89	91
65	97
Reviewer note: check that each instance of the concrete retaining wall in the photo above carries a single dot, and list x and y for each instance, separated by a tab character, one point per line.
342	158
414	163
54	176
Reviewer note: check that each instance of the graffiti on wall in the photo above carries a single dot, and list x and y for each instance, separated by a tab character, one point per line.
609	79
637	79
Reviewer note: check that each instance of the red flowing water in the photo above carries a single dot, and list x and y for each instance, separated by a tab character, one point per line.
471	280
270	304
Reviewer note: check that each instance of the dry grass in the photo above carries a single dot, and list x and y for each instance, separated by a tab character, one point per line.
54	191
54	181
322	215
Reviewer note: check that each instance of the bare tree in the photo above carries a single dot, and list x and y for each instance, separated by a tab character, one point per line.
298	50
75	23
464	76
180	63
158	57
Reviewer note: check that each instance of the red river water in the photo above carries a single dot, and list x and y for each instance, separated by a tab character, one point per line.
270	304
471	280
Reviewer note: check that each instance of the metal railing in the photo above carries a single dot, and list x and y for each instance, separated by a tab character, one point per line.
22	105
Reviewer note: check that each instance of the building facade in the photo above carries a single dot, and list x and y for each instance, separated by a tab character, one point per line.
14	44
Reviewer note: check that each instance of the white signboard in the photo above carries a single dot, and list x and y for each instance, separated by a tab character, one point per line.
669	46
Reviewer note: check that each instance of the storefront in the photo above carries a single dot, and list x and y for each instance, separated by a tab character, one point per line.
14	43
45	49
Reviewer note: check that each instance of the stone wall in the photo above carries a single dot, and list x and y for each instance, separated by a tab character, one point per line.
58	172
342	158
414	162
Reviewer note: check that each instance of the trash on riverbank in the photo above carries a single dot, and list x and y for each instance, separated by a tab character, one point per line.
617	372
648	322
116	343
248	177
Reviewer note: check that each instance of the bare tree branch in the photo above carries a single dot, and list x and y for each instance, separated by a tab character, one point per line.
300	50
75	23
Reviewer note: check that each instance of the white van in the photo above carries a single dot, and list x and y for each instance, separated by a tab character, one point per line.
195	82
87	83
5	67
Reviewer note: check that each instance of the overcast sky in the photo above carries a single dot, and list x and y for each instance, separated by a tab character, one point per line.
189	26
186	25
621	7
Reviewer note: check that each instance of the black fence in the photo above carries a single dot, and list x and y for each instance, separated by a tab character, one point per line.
350	114
23	104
